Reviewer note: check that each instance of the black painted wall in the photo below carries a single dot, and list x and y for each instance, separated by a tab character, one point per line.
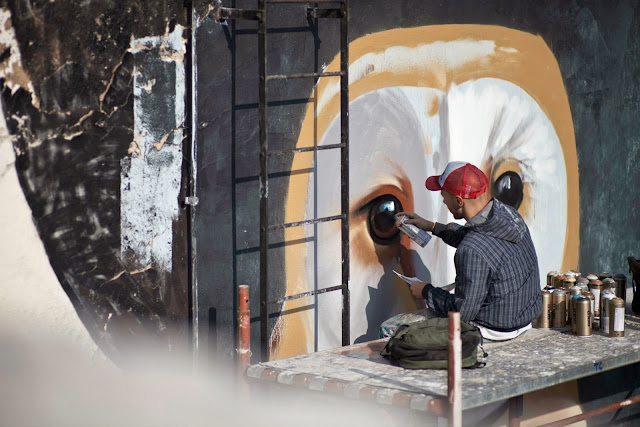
69	149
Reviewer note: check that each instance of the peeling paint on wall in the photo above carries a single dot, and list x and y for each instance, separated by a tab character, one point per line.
151	173
11	69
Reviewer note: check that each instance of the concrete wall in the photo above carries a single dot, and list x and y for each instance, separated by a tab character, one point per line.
96	112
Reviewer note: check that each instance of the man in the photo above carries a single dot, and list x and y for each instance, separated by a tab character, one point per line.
497	286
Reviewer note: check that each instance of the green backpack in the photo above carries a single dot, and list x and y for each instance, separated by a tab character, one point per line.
424	345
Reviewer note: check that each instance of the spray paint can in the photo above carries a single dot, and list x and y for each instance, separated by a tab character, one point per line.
595	287
559	315
591	276
573	291
592	300
621	286
544	320
582	281
572	274
557	281
616	317
574	322
550	276
583	317
606	296
416	234
605	275
609	284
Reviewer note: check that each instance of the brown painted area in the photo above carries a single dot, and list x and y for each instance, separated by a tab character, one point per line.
520	58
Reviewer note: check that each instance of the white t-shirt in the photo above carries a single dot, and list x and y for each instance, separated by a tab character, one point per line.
491	335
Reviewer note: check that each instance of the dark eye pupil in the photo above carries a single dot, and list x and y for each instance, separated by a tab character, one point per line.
508	188
382	218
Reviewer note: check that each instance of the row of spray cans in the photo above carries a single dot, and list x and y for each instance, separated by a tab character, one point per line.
586	303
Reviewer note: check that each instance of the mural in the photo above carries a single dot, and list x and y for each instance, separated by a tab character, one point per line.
420	98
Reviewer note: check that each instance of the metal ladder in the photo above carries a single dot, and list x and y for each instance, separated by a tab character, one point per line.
260	15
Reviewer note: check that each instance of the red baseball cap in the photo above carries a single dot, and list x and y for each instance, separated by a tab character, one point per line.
460	179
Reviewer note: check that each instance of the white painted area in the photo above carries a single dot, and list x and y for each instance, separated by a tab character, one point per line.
394	144
150	180
33	305
437	56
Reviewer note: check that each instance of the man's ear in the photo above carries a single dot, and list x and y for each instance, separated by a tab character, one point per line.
459	201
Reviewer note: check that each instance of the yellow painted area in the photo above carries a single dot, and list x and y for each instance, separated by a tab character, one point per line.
517	57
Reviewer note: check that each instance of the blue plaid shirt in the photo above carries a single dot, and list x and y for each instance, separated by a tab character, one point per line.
497	278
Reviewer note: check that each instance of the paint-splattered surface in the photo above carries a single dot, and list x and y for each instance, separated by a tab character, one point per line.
539	359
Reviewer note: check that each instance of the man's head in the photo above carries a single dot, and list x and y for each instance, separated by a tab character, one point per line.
463	187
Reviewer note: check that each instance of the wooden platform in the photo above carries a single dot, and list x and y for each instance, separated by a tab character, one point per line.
539	359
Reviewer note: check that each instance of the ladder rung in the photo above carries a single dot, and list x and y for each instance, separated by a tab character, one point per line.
316	12
304	149
284	102
303	1
278	30
306	222
235	13
308	294
303	75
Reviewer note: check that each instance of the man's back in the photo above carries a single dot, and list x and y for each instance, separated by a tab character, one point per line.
497	277
504	245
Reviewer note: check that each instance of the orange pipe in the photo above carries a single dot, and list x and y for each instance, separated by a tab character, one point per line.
454	371
244	330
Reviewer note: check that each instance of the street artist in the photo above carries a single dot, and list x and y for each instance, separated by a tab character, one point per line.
497	285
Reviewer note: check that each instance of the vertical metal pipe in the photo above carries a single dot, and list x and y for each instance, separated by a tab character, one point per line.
243	349
264	189
192	187
344	169
515	411
454	370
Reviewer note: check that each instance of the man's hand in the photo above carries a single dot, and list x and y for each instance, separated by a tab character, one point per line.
418	221
416	288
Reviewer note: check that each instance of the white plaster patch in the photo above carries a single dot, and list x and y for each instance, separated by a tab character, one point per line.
151	176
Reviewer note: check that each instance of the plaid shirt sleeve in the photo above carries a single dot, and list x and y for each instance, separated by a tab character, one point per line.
472	279
452	233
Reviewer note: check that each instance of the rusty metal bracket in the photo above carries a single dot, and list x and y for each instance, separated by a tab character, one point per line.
191	200
225	13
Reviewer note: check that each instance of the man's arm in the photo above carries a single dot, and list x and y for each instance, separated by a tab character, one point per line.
472	280
452	234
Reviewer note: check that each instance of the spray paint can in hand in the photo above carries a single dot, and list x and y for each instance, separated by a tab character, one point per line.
416	234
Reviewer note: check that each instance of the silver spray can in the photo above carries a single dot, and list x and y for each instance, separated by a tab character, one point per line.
416	234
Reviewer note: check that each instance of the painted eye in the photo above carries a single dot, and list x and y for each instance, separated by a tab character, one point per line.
508	188
382	219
